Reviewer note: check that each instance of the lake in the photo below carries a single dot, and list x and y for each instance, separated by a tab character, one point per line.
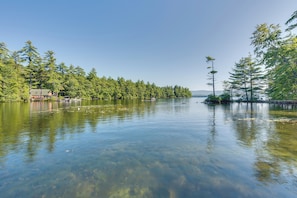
167	148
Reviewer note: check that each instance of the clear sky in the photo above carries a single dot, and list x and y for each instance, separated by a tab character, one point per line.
160	41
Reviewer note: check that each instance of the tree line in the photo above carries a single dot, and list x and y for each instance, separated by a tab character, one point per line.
271	70
26	69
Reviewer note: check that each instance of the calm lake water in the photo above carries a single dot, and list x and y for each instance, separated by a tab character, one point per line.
167	148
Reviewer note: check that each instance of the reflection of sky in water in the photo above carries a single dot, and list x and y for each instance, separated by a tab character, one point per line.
174	148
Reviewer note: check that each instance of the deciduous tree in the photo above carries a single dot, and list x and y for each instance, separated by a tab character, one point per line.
278	54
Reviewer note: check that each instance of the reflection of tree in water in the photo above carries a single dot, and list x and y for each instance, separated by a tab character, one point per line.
247	126
273	138
266	170
247	121
30	126
277	155
212	127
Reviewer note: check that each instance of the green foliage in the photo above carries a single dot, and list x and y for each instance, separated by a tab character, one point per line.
11	81
25	69
4	52
221	99
278	54
212	99
246	77
290	20
225	97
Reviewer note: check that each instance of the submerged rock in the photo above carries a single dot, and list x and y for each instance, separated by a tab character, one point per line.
131	192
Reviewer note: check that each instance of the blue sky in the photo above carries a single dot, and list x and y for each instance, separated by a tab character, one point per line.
160	41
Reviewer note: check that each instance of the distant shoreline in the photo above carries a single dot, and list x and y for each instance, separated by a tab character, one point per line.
204	93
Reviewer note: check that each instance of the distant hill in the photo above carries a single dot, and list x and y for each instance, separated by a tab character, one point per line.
204	93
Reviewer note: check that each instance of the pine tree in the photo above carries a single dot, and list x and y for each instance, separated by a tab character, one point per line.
212	74
247	77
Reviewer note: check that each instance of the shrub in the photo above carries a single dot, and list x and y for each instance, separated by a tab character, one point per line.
224	98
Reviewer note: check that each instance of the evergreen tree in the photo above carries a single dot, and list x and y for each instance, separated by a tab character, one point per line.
62	69
94	87
290	20
12	86
53	79
4	52
247	77
16	58
25	69
212	73
30	55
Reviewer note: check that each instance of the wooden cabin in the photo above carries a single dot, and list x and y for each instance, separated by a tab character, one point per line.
40	94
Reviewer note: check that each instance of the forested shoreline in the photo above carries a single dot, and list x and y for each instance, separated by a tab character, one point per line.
26	69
